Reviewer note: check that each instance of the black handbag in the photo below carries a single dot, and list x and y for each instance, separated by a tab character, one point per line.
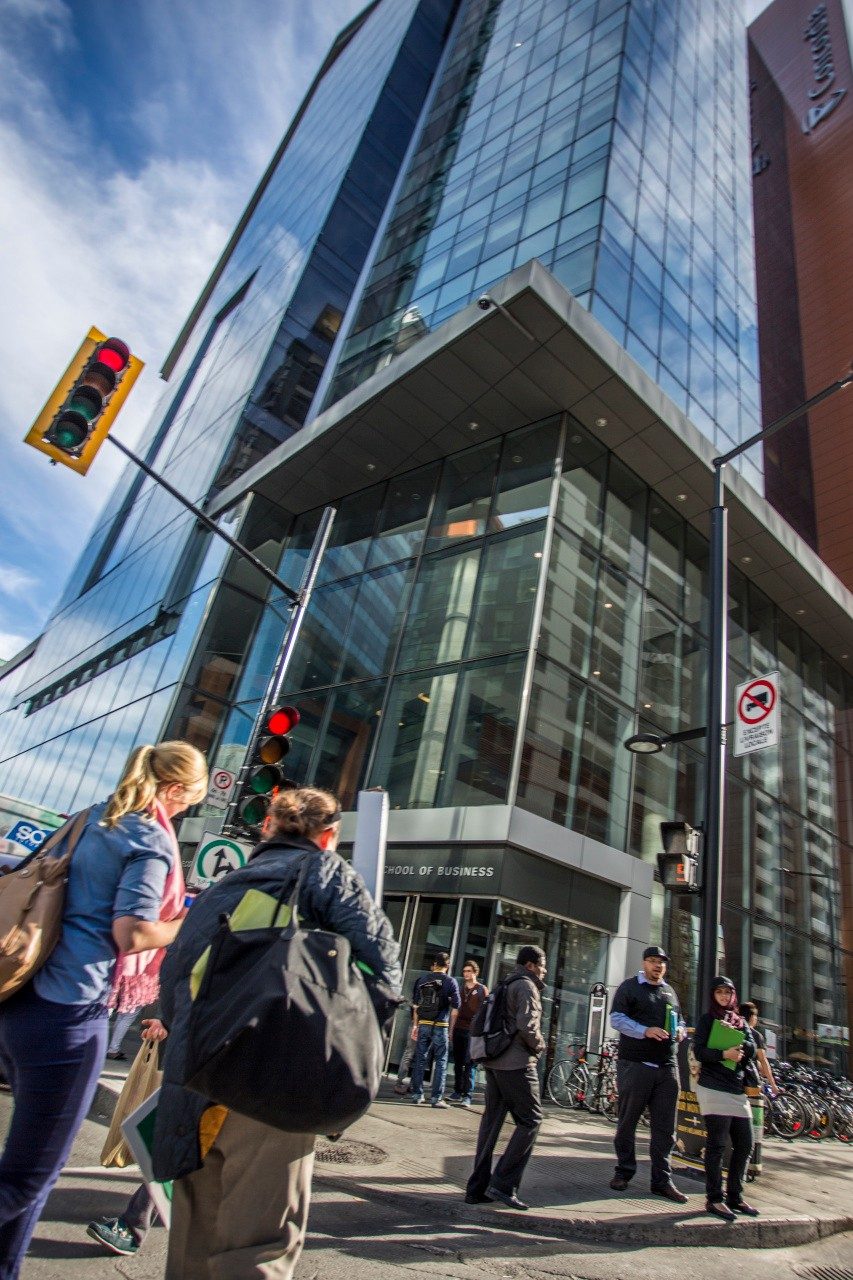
283	1028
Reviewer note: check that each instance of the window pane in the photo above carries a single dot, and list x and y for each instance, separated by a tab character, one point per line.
569	600
440	609
464	496
350	537
508	578
350	730
615	652
527	469
318	649
375	622
403	518
625	519
663	572
601	803
412	740
660	668
482	736
579	501
548	775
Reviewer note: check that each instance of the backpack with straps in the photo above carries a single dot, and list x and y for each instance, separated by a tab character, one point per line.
491	1034
431	998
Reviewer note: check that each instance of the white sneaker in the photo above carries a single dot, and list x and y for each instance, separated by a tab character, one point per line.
441	1105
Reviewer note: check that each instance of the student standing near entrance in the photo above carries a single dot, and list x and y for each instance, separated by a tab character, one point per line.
435	1001
473	994
647	1015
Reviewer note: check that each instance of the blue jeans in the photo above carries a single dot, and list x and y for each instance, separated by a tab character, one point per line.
52	1054
434	1038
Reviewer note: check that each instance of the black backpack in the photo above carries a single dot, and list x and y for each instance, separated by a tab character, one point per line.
431	998
282	1028
490	1034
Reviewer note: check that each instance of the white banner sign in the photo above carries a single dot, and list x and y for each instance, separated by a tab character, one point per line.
757	714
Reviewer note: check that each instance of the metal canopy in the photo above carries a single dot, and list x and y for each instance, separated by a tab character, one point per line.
478	376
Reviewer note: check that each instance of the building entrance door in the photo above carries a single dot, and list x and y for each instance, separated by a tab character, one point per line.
426	925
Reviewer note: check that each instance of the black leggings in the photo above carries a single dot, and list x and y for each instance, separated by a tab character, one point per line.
718	1128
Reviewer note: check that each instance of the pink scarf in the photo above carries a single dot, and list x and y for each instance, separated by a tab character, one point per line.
136	980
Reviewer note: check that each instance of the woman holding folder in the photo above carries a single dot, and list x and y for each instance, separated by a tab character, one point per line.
724	1045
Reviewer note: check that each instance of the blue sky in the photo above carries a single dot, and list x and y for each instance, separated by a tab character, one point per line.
132	133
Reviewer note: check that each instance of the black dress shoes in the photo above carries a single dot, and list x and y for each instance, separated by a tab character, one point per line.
720	1210
747	1210
509	1198
617	1183
670	1192
484	1199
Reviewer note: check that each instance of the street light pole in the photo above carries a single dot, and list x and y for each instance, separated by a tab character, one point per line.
715	771
715	764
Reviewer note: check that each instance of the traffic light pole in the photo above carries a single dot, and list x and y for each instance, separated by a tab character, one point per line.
276	681
293	596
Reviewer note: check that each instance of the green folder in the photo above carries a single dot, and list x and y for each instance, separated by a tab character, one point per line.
724	1036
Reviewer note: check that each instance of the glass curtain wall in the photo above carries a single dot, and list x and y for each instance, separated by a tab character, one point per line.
410	671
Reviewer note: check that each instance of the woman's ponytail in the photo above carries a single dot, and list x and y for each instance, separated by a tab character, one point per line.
136	789
151	767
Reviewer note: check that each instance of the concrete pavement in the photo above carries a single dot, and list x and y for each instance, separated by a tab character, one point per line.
402	1198
804	1193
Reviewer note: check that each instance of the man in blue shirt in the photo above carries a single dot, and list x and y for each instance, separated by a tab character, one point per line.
647	1015
436	1002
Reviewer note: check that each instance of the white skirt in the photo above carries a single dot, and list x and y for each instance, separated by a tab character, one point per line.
714	1102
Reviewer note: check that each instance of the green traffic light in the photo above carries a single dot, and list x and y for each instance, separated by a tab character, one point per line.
264	780
69	431
254	811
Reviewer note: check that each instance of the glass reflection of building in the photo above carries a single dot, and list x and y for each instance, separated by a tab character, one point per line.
509	592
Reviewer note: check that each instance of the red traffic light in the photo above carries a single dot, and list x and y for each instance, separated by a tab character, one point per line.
282	720
115	354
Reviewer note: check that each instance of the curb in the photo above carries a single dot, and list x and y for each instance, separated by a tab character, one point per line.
695	1231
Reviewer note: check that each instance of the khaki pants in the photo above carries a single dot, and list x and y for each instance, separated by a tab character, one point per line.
244	1212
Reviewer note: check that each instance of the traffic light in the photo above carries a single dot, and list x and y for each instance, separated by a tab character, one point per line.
678	863
74	423
266	773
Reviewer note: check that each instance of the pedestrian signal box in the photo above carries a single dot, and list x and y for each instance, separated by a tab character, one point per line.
678	862
78	415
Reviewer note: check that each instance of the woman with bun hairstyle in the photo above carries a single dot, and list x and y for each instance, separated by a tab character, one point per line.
723	1102
124	895
241	1188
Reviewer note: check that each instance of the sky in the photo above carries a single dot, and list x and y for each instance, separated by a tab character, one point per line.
132	134
131	137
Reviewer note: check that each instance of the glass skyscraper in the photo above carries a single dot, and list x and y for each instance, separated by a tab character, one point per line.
516	579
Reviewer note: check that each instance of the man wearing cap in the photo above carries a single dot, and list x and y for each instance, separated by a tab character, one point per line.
647	1015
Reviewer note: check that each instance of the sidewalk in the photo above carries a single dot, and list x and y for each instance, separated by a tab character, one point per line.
803	1194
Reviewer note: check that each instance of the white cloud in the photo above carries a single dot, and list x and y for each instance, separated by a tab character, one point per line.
16	582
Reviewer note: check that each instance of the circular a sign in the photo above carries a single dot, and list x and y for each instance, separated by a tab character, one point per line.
756	702
218	857
222	779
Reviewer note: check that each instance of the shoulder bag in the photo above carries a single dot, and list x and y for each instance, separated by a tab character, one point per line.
282	1027
32	900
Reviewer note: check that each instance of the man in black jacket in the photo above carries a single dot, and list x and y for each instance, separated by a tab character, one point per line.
647	1015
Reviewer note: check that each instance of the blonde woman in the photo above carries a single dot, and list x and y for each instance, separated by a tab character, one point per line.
53	1032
